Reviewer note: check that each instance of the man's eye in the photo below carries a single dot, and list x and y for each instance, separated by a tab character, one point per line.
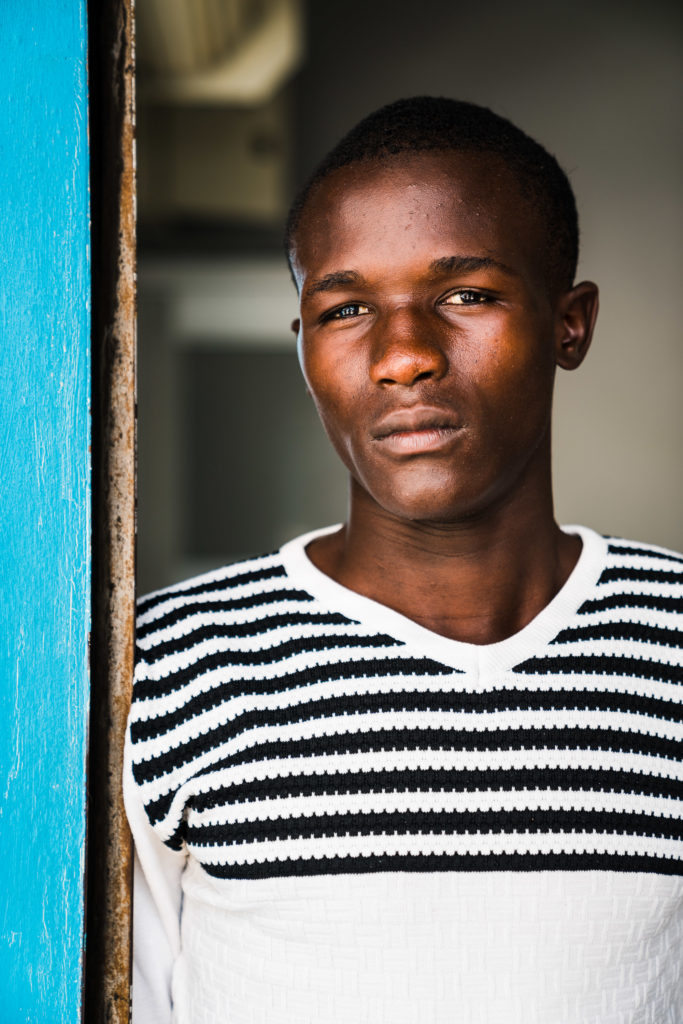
466	297
351	309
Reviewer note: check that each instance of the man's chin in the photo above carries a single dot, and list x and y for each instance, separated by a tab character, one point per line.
439	514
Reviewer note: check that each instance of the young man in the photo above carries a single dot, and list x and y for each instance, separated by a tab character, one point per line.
422	767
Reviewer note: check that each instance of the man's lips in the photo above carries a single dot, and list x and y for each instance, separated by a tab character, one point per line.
416	429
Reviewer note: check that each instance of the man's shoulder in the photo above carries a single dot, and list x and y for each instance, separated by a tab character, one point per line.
187	628
218	587
641	566
636	549
637	599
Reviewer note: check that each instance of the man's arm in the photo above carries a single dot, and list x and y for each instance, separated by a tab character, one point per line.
157	904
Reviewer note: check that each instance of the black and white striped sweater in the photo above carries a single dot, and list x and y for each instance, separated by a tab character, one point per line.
284	727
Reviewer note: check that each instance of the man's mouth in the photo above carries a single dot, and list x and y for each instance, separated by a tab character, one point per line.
417	429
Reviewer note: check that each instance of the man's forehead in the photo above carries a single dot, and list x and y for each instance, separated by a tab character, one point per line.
433	187
488	174
453	207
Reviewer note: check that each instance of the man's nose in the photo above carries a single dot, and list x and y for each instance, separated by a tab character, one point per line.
407	349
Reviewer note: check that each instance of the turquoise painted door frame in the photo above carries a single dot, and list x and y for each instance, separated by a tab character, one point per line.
44	507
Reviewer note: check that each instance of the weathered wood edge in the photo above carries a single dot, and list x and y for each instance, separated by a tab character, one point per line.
109	852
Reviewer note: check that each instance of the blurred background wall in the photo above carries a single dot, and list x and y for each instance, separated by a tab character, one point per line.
238	99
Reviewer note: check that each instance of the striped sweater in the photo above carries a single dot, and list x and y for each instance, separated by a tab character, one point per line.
292	740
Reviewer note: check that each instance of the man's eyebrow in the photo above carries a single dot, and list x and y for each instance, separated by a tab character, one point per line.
337	279
444	265
468	265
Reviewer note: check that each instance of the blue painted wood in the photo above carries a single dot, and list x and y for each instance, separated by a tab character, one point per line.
44	506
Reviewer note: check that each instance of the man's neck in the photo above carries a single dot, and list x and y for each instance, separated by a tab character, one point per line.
478	581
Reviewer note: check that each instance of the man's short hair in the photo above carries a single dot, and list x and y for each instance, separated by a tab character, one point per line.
435	123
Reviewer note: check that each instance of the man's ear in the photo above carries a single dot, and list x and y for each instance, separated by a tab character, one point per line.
576	313
294	326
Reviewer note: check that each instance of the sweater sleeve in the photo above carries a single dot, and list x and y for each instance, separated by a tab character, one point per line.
157	905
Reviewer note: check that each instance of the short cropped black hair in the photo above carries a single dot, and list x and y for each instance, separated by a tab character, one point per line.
425	123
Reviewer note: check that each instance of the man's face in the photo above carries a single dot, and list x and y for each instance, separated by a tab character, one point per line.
428	335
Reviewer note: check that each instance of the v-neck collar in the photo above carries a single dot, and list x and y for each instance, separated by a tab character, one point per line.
478	659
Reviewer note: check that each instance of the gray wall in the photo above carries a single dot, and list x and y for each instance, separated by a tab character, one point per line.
599	84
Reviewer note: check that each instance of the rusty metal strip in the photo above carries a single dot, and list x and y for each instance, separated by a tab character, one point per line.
109	850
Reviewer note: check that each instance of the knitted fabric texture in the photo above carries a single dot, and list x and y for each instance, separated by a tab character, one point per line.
277	732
